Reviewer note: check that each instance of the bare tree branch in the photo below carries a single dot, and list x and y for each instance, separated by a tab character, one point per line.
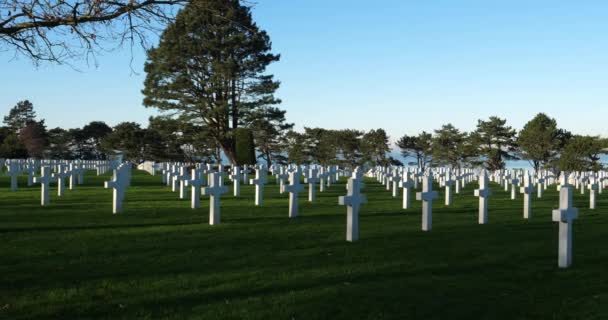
63	30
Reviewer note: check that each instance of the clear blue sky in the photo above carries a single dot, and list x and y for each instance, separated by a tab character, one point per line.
405	66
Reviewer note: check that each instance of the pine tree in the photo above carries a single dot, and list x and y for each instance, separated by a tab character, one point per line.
209	69
496	142
374	147
20	115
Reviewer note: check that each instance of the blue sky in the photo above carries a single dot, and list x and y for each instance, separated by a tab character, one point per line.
405	66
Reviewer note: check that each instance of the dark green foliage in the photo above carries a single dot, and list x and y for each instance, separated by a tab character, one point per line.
581	153
449	146
209	69
495	141
163	140
420	147
94	133
81	147
269	127
349	147
321	145
4	132
34	138
13	148
20	115
245	147
161	260
539	141
126	138
60	141
374	147
324	146
296	147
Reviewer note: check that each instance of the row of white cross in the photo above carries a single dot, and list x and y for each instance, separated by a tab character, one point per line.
59	171
565	215
208	180
70	170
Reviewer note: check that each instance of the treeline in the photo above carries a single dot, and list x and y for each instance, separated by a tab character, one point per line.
490	145
165	139
268	138
493	142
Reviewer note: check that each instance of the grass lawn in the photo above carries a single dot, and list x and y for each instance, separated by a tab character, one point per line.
161	260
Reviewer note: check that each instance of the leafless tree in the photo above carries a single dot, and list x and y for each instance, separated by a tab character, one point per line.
63	30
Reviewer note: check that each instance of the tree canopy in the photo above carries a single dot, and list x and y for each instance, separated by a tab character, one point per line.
209	68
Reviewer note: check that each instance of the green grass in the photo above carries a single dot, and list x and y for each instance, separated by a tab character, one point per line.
161	260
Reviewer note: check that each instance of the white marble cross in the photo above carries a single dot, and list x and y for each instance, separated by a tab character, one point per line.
593	187
407	184
427	196
483	193
540	186
73	175
565	215
458	182
514	185
294	188
387	179
582	183
31	172
331	174
221	173
352	201
236	181
259	182
60	175
396	179
214	191
448	188
527	190
182	177
506	180
312	179
322	177
282	178
173	182
45	179
195	183
13	170
119	185
245	174
169	177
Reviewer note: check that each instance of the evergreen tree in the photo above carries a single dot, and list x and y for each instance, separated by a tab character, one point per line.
126	137
375	146
209	69
164	139
12	148
295	147
245	147
321	145
93	133
269	127
34	138
448	146
496	142
20	115
540	141
60	141
582	153
419	146
349	146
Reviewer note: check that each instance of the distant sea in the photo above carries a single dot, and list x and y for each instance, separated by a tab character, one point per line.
512	164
